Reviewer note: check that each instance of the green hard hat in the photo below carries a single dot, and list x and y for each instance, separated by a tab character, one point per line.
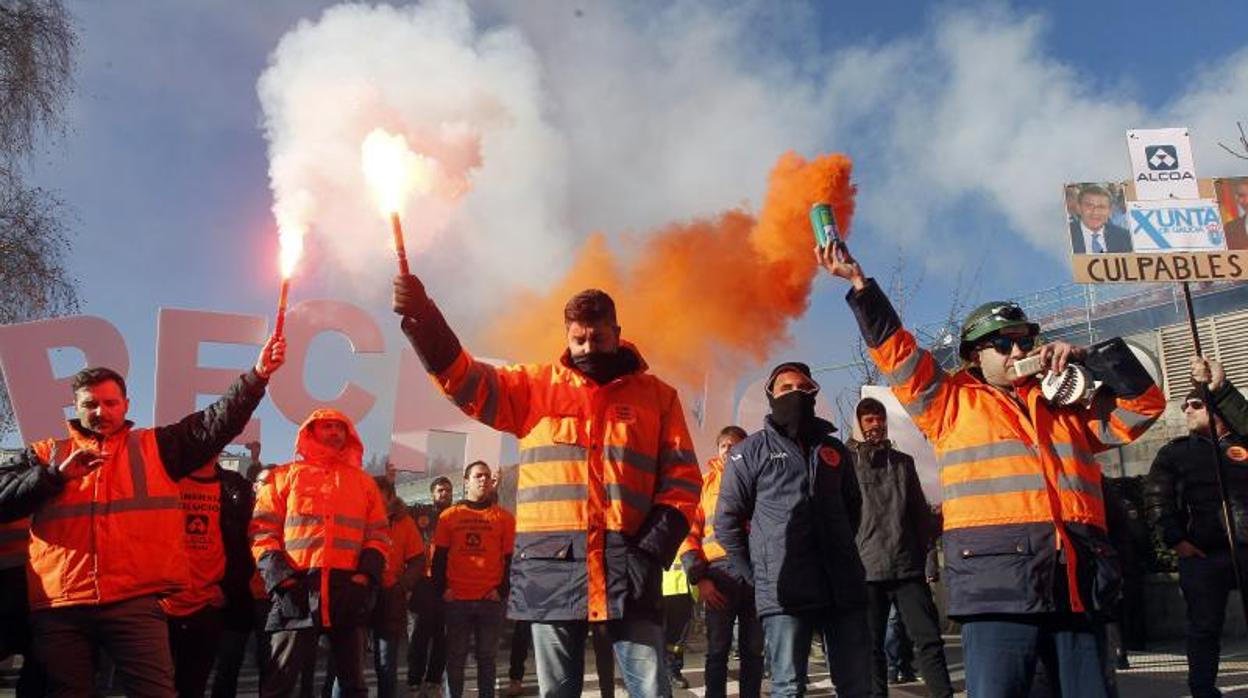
989	318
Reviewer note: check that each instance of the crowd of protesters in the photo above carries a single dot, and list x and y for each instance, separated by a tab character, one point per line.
134	546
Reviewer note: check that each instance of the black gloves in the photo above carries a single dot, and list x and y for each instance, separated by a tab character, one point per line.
409	296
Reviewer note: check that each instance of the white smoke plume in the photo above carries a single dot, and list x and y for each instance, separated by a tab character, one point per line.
625	117
461	97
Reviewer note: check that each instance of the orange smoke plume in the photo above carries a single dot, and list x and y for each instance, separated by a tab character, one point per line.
710	292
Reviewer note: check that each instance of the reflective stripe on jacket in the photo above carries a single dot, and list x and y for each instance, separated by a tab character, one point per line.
14	544
595	464
701	546
1018	477
114	533
319	516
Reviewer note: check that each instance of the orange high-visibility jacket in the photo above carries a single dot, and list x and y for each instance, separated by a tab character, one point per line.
14	544
115	533
321	512
1019	481
701	547
595	462
112	534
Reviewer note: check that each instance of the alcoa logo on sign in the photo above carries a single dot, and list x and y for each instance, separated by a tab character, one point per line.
1162	157
1163	165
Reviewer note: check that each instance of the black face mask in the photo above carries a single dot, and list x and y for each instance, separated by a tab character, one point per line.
793	412
599	366
875	436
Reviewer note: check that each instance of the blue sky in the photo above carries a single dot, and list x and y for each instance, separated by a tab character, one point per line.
964	120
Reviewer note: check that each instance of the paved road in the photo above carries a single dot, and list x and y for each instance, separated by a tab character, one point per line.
1157	674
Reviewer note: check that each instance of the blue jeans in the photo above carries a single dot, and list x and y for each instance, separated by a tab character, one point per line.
559	648
898	647
483	622
848	647
1001	652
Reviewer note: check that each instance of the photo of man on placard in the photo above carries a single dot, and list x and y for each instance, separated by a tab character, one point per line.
1092	229
1233	200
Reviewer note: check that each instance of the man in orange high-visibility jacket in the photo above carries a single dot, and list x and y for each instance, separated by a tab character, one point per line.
15	609
728	599
320	537
608	482
1028	559
106	522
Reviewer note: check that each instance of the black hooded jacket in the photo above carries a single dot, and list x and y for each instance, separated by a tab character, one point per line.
896	531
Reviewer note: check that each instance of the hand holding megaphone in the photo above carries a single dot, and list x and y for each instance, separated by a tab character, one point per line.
1065	380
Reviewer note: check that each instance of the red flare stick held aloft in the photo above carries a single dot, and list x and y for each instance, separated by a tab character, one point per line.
399	249
280	324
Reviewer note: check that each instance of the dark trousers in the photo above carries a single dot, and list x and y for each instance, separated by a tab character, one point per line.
480	622
133	632
898	647
1206	583
521	641
677	612
604	657
719	622
15	632
233	647
918	612
1001	652
294	650
426	653
387	631
193	642
1133	618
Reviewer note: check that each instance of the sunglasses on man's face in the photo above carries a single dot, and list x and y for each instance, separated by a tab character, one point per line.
1193	404
1004	344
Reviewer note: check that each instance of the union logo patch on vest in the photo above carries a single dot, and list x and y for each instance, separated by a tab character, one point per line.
829	456
623	413
1239	454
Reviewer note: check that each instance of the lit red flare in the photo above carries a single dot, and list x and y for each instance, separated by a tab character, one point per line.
290	239
280	324
394	172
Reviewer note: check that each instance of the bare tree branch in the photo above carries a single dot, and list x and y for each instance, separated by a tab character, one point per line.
1243	143
34	282
37	45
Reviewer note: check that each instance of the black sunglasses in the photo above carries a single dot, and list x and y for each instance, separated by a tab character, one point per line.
1005	345
1194	404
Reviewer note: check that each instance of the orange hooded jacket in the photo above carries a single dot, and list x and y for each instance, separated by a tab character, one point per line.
320	512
